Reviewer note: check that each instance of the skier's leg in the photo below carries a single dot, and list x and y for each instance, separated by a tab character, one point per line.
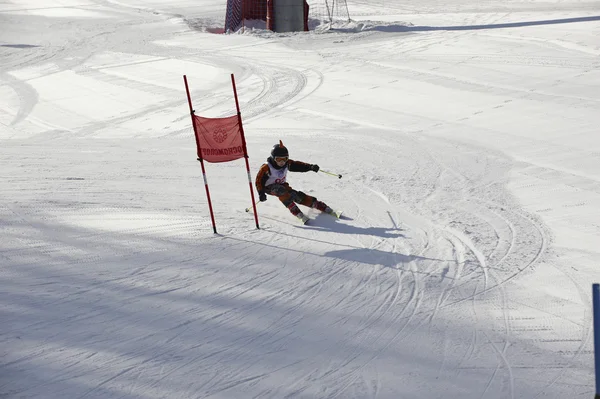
287	196
292	207
312	202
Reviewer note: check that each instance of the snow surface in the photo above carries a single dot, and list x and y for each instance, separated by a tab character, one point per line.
467	136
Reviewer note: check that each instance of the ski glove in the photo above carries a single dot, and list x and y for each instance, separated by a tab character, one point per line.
314	168
262	197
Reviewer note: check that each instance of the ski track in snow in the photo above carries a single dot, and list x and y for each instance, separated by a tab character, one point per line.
113	285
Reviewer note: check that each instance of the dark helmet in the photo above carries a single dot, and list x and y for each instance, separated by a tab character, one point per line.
279	150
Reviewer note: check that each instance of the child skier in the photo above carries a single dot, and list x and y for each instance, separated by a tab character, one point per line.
271	179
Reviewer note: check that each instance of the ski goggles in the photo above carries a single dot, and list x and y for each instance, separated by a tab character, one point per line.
281	159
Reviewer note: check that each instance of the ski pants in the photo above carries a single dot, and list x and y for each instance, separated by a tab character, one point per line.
288	195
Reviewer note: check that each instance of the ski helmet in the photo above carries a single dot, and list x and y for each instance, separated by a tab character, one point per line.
279	150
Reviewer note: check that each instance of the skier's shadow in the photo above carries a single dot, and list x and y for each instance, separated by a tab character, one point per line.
392	260
327	223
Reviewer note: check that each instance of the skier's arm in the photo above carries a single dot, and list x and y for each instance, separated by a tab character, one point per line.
297	166
261	178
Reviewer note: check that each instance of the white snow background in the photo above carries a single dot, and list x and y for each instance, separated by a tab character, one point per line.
467	134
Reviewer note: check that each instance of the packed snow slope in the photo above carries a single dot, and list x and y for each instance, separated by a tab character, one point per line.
467	135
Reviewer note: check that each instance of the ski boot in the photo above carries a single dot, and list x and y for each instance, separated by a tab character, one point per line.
293	208
335	214
303	218
326	209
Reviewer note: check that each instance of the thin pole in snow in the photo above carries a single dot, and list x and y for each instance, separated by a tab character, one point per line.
596	302
239	114
199	150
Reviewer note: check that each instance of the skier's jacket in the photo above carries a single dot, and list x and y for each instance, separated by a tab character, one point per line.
270	173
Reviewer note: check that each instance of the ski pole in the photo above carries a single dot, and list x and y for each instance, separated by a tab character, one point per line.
250	208
330	173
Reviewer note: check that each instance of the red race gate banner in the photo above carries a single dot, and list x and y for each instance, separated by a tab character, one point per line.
219	139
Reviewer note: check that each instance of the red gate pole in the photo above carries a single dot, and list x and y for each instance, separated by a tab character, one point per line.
237	105
199	150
